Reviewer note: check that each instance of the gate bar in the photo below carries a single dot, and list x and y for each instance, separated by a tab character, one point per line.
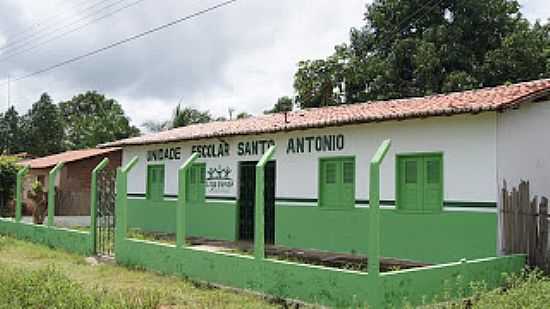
259	237
18	195
52	176
93	204
181	213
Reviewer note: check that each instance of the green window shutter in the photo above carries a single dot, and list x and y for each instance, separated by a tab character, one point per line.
420	182
347	193
203	174
155	182
337	182
329	183
330	172
196	183
411	171
433	183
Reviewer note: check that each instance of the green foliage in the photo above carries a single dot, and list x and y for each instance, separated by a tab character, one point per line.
8	177
155	126
187	116
243	115
13	139
409	50
526	290
91	119
44	128
284	104
49	288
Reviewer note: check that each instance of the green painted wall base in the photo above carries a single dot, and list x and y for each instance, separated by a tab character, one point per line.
216	220
427	237
314	284
69	240
432	237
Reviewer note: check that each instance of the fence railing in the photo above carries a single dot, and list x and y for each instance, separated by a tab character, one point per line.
524	225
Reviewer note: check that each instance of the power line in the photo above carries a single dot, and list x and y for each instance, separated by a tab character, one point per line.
124	41
48	26
31	27
66	33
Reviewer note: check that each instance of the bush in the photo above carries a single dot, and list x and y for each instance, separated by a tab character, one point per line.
525	290
49	288
8	179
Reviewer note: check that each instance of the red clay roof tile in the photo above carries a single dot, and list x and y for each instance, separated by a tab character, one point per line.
474	101
68	156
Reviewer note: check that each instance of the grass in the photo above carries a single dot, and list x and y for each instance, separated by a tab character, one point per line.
529	289
36	276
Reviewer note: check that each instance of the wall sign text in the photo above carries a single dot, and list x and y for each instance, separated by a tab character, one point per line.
315	144
160	154
252	148
211	150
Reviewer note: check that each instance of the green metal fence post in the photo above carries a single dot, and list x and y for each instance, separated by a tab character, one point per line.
259	237
181	213
52	176
93	203
121	209
18	194
373	253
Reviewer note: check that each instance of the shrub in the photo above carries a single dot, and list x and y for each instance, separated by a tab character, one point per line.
8	179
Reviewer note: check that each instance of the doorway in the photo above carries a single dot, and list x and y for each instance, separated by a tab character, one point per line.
247	194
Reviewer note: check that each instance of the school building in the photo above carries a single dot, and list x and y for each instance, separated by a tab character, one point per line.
440	182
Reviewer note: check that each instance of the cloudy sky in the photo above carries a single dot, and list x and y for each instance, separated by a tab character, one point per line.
241	56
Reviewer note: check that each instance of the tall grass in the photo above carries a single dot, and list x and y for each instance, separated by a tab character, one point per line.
49	288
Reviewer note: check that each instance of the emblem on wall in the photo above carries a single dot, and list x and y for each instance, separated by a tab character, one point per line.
219	180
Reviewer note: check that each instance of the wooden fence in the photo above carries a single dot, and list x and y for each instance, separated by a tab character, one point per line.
524	225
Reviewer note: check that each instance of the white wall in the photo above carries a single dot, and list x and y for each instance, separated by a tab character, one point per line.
467	143
523	147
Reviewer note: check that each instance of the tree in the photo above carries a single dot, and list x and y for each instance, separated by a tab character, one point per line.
284	104
44	128
187	116
8	174
243	115
91	119
155	126
11	130
407	50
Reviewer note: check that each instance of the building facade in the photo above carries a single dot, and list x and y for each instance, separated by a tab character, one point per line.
74	181
440	181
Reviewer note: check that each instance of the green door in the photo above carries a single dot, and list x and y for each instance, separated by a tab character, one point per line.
420	182
433	183
410	183
330	179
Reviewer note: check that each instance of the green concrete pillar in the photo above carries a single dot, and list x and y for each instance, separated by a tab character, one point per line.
181	213
19	192
373	253
52	176
121	209
93	204
259	237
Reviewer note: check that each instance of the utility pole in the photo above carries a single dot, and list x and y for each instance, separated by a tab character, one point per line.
9	97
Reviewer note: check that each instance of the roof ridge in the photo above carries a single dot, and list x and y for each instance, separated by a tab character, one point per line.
457	102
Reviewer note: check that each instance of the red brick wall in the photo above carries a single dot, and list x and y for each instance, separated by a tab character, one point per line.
75	180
